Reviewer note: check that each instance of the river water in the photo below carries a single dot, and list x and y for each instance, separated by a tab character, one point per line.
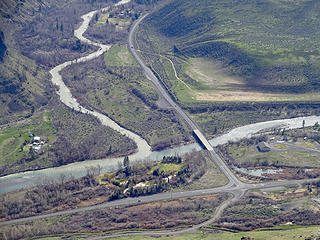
26	179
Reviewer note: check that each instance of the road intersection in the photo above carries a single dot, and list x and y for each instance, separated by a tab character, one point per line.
235	187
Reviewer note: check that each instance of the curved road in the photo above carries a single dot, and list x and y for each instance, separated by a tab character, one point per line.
235	190
234	187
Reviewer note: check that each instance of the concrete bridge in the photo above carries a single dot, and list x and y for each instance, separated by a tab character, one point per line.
202	139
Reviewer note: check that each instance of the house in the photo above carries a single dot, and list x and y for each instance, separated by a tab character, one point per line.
36	144
263	147
36	148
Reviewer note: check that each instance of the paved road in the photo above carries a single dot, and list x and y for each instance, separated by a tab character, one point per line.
235	187
235	190
149	74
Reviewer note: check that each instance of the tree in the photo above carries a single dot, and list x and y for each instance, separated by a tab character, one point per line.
126	164
175	49
31	153
109	150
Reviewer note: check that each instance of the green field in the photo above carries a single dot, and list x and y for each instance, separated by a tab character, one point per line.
119	56
236	51
14	141
298	158
102	20
118	88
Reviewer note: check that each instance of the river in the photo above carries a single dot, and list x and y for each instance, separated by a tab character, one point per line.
26	179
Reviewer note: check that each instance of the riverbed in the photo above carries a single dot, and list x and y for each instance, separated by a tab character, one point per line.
26	179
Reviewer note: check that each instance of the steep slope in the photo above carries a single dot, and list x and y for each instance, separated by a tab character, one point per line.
272	45
36	35
24	86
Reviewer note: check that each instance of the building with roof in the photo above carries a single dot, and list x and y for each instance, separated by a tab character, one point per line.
263	147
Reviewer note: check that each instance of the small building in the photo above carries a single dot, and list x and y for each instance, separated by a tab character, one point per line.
36	148
36	139
263	147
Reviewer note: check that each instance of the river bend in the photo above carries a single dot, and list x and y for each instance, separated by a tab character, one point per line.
78	169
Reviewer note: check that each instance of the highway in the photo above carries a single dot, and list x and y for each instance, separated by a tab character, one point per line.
233	180
234	187
234	190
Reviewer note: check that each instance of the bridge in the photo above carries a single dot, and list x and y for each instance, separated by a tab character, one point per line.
202	139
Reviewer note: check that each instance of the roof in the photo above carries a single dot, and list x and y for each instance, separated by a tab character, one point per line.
36	138
263	146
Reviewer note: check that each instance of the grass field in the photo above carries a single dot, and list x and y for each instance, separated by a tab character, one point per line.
280	146
244	51
13	141
298	158
118	88
119	56
214	83
298	232
102	19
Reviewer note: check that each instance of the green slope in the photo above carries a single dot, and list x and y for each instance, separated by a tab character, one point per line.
272	45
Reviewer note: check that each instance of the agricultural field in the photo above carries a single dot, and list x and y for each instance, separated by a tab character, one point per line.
112	26
212	82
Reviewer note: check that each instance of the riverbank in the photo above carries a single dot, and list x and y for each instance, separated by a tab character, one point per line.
79	169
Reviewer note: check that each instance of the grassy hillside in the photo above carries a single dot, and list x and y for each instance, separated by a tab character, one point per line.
238	50
35	35
24	86
69	137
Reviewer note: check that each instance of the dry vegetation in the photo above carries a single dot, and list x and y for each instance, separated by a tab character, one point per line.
291	206
166	214
293	153
130	181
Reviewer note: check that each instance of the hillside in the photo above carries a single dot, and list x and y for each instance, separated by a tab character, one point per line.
34	36
258	50
24	87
